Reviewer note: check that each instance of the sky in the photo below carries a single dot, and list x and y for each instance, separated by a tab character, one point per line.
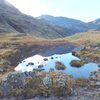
84	10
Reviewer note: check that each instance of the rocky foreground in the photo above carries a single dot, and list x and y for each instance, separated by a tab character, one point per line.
40	85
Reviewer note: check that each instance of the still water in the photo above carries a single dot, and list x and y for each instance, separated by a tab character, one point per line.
33	62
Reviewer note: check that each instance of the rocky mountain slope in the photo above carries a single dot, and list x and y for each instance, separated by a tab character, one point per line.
12	20
95	23
71	25
66	23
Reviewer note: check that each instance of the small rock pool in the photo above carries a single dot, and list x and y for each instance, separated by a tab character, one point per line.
47	63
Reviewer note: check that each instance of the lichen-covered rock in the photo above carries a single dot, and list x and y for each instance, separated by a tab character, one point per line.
35	83
61	80
95	76
1	70
47	81
32	74
12	81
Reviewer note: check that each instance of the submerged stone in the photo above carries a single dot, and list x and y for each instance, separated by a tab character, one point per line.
77	63
60	66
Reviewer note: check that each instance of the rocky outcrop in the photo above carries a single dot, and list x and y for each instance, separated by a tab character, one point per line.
61	80
46	86
11	82
1	70
47	81
35	83
95	76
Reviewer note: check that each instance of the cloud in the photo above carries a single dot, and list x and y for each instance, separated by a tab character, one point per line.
30	7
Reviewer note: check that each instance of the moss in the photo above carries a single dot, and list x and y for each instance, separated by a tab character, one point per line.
60	66
82	82
1	93
77	63
36	87
16	92
61	91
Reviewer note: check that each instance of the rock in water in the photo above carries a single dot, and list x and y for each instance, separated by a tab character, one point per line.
60	66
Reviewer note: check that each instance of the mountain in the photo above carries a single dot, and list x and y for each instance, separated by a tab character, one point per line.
96	23
46	26
12	20
71	25
62	21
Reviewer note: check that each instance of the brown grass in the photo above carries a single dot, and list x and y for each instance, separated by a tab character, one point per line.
90	37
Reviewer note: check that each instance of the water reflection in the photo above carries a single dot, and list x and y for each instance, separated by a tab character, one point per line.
49	63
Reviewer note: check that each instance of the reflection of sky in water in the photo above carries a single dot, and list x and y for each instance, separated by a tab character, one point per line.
83	71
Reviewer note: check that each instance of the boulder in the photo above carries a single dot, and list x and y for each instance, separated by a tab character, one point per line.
1	70
47	81
60	66
77	63
12	82
95	76
61	81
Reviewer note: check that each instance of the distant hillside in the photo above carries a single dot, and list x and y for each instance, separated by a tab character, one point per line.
72	25
96	23
62	21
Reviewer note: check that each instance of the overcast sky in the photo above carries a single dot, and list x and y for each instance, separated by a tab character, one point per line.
85	10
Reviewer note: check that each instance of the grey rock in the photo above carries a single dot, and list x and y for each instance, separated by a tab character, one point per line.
1	70
47	81
14	80
96	77
61	80
51	70
98	83
32	74
79	48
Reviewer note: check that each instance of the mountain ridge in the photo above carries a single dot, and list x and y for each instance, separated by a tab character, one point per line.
12	20
70	22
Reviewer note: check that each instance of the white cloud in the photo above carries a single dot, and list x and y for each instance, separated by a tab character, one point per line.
30	7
